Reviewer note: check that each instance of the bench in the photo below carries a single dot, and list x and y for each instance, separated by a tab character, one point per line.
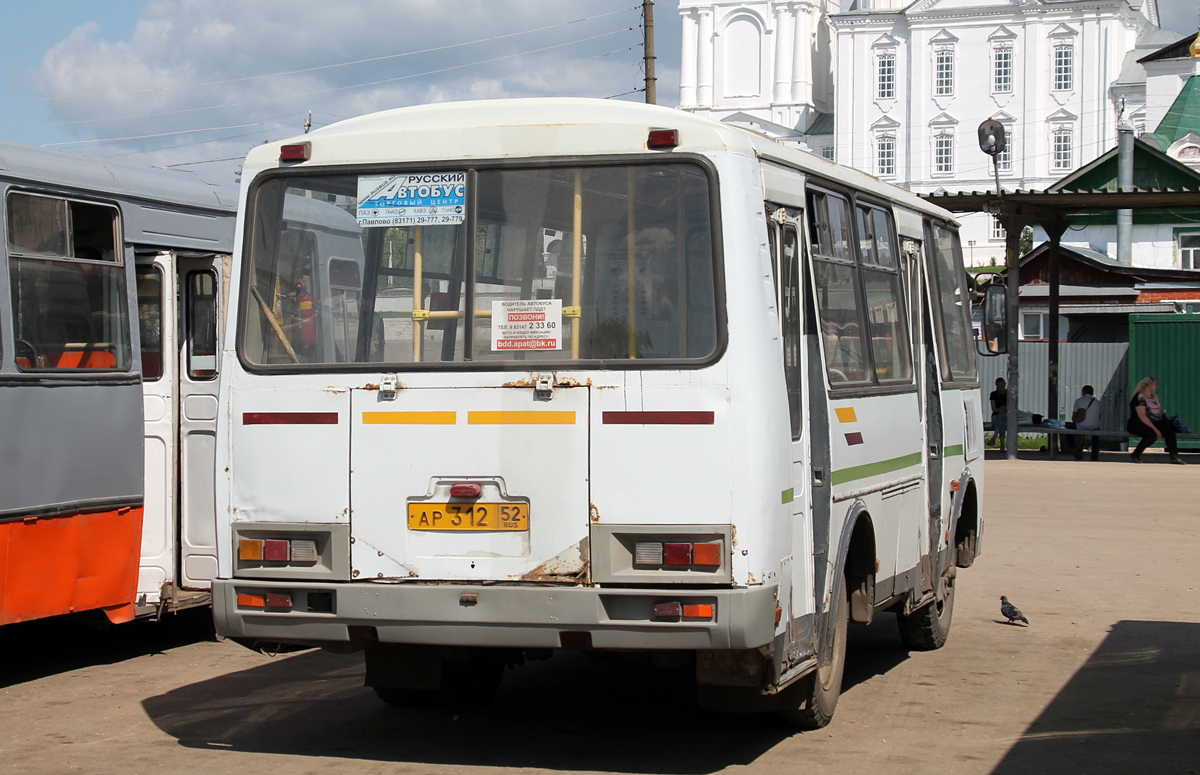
1051	441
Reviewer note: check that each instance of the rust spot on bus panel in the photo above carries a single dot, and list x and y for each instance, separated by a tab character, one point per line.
568	566
368	386
520	383
593	512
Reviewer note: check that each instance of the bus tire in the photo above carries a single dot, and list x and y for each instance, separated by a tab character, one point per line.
816	695
928	627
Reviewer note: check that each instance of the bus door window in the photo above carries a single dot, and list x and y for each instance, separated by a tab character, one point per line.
67	284
345	293
788	263
837	288
953	316
886	315
201	305
150	321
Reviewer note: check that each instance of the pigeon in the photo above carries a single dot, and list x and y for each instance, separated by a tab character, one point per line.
1011	612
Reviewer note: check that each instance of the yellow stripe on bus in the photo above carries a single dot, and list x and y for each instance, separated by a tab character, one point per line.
846	414
520	418
410	418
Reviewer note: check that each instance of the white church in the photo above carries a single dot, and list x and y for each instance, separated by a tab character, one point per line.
898	89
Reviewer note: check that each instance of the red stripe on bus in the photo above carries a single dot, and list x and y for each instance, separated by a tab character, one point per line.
658	418
854	438
290	418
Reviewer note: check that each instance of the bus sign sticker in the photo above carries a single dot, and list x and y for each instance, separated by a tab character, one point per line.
526	324
412	199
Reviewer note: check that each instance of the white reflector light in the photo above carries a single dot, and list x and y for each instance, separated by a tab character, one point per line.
648	553
304	551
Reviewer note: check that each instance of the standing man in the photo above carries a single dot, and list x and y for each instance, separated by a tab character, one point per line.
999	401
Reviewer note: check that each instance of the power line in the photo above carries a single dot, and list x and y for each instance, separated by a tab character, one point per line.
327	91
332	90
318	67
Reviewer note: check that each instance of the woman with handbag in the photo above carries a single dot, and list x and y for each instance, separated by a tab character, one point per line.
1148	420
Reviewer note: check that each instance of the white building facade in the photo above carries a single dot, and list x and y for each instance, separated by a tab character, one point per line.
916	80
771	61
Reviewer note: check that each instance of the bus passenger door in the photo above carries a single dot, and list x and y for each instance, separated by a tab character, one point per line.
804	378
931	395
156	313
200	297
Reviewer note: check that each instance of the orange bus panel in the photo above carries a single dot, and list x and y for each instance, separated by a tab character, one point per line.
80	562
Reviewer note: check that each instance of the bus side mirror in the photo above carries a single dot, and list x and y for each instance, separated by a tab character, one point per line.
995	320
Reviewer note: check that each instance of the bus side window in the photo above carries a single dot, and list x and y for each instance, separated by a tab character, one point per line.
886	317
202	325
837	281
67	283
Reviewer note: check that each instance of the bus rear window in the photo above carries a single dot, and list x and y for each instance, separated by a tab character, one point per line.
549	264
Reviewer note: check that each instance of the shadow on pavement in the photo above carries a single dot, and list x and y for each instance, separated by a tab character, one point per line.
575	712
33	650
872	650
1134	706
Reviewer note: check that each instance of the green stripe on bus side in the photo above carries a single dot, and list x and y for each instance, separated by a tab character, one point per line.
875	469
789	495
952	450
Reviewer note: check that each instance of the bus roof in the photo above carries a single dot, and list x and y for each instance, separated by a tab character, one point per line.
85	173
526	128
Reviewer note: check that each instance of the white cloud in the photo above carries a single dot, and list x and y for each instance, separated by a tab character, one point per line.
193	65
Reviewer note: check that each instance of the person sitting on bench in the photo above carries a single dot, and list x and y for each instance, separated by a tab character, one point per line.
1085	416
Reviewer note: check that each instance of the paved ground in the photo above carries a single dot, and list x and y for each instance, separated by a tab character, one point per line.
1104	558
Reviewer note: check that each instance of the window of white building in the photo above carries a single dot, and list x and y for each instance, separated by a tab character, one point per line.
1064	67
943	84
943	154
1004	158
998	233
1063	150
885	156
1002	69
885	81
1189	251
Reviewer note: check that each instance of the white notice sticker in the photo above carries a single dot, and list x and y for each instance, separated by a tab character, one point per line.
526	324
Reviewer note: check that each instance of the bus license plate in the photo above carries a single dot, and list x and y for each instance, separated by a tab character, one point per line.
468	516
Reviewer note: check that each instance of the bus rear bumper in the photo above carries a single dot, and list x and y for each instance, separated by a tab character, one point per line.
512	616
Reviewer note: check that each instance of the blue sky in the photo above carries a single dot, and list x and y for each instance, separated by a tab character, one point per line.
145	76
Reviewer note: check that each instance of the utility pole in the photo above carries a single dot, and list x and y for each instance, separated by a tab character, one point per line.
648	49
308	122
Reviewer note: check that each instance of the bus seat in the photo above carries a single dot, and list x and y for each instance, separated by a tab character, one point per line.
86	359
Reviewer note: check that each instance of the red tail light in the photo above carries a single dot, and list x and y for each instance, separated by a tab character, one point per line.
465	490
663	138
297	152
279	600
677	554
275	550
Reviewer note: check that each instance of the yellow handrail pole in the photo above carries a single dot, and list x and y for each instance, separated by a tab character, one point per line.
632	271
418	290
577	262
681	262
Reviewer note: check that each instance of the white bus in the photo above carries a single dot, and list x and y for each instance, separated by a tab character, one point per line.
596	375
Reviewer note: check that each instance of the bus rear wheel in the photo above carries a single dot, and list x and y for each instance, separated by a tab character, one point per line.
815	697
928	627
